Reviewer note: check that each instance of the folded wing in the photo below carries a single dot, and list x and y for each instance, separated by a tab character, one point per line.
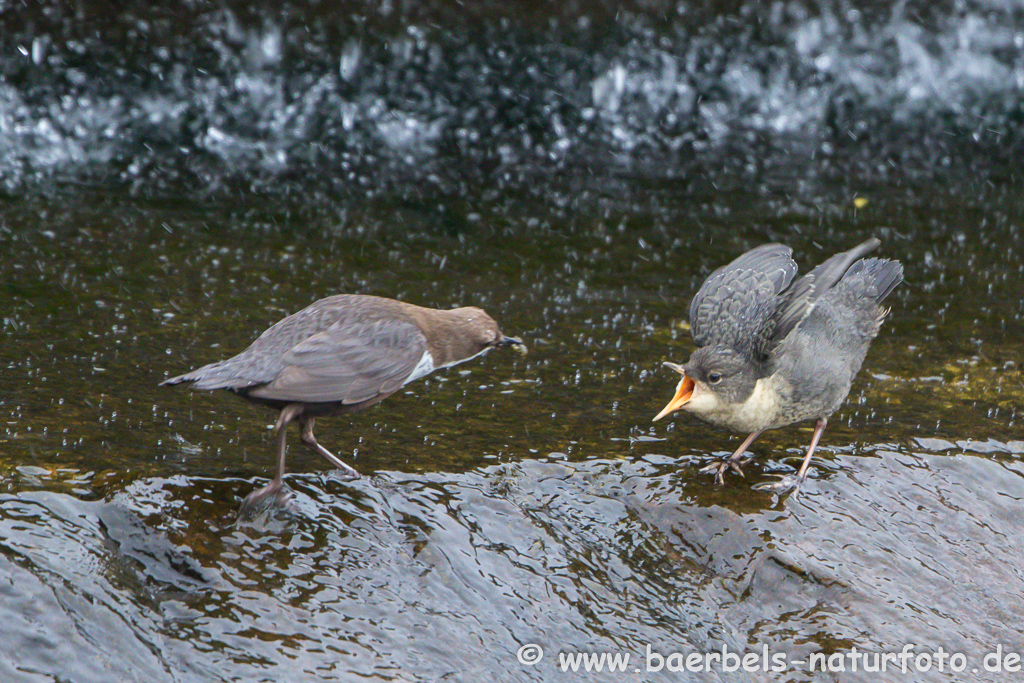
348	364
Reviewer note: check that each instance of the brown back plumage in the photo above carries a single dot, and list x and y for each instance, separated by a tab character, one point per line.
347	349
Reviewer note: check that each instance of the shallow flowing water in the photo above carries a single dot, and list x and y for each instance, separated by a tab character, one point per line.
512	501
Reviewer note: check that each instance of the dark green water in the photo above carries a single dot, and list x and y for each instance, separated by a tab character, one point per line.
514	499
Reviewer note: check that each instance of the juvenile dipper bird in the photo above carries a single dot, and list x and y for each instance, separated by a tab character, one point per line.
771	353
340	354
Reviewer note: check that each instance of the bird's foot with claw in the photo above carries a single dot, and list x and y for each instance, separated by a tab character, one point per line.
347	475
267	502
786	482
719	468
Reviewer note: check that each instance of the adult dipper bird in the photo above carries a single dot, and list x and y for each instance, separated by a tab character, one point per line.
772	351
340	354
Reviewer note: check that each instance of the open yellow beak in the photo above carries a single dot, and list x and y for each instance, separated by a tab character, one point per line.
684	392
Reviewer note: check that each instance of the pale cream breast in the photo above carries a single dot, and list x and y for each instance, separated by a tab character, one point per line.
759	411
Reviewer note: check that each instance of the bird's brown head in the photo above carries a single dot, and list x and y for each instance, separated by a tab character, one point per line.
473	332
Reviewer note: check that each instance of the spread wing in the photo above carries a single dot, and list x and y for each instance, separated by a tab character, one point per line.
348	363
800	299
737	300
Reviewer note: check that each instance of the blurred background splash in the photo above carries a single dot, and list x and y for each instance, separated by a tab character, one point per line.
444	98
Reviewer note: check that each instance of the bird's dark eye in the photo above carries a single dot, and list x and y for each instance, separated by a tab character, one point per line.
714	378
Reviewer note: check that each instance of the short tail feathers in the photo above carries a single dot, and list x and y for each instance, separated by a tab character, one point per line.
883	274
220	375
805	291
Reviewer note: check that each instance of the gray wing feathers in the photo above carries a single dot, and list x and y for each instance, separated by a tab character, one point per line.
805	292
351	363
261	362
736	300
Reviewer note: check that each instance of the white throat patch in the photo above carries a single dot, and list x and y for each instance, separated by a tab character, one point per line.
422	369
757	412
426	365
